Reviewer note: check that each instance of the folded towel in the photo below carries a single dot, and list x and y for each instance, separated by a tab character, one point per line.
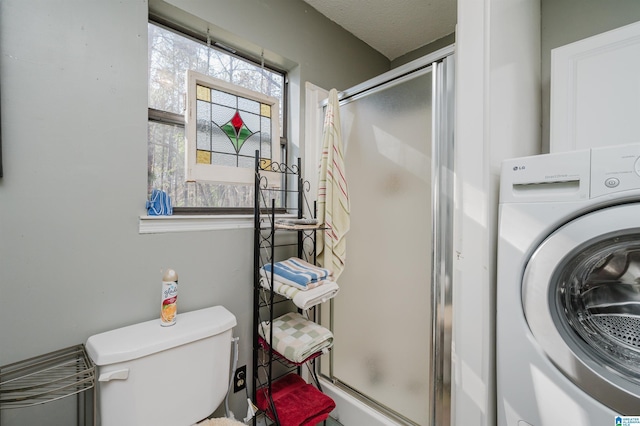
297	403
295	337
304	299
159	204
300	226
301	221
296	272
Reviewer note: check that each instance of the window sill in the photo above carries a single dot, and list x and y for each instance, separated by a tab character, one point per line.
189	223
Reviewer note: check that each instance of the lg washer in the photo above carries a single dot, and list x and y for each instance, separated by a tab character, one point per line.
568	288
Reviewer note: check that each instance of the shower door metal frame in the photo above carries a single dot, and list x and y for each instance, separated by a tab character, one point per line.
442	267
442	65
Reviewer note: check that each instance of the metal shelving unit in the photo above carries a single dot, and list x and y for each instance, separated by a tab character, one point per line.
50	377
290	194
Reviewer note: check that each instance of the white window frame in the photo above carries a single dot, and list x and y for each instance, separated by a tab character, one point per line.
225	174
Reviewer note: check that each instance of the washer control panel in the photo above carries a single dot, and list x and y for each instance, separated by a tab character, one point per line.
615	169
571	175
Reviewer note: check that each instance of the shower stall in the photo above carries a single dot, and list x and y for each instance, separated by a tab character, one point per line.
391	320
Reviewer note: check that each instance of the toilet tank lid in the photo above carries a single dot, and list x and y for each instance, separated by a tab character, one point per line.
138	340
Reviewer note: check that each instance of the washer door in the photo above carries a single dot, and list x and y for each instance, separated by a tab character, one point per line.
581	298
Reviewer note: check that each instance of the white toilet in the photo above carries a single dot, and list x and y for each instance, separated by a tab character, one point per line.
151	375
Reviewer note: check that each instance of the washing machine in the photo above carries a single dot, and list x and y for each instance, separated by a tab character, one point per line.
568	289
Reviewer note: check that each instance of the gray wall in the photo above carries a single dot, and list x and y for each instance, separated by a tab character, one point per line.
292	35
74	129
424	50
566	21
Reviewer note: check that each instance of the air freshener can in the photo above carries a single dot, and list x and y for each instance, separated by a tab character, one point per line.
169	307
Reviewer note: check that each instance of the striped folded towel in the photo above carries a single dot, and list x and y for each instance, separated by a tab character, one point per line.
296	272
304	299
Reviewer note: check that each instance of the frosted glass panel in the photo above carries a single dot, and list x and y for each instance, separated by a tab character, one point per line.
382	317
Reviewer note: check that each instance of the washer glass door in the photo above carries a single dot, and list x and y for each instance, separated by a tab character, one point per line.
581	296
598	291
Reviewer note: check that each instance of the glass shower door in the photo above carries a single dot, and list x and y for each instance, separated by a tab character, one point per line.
382	319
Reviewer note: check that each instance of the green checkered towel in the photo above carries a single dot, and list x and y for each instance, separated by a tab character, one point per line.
295	337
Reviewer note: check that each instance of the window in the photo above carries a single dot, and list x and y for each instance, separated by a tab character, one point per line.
171	55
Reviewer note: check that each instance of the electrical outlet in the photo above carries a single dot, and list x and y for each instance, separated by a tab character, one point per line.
240	379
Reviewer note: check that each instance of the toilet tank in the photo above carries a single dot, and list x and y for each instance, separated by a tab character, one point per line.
164	376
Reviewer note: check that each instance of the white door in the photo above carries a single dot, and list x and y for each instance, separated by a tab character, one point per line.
595	88
391	319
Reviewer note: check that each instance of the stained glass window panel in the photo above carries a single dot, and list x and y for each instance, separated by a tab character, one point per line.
250	146
231	128
265	137
203	157
220	143
249	105
237	131
265	128
252	122
203	93
230	160
203	136
203	141
265	150
265	164
245	162
221	114
222	98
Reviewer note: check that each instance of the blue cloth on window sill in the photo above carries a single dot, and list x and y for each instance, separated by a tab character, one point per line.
159	204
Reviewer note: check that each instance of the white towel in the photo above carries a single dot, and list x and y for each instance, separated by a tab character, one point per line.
333	195
304	299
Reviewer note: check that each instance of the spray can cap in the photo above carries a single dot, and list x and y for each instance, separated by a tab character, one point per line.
170	275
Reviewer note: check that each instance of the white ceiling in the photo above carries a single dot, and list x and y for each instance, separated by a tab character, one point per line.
392	27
